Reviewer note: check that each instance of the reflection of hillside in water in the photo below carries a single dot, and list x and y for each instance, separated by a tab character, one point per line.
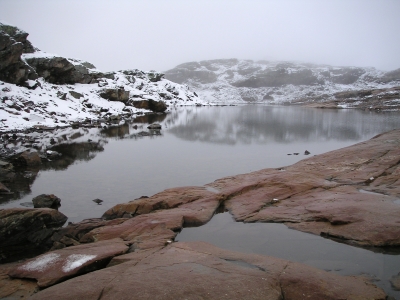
263	124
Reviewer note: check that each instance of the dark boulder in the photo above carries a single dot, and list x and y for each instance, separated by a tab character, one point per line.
156	106
12	68
26	232
28	159
19	36
115	94
155	126
60	70
49	201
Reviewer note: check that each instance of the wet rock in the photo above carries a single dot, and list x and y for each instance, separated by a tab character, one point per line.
59	265
98	201
156	106
199	270
307	152
25	232
395	282
15	288
335	208
49	201
28	159
154	126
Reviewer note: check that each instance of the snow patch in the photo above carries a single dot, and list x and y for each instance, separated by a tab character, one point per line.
75	261
41	263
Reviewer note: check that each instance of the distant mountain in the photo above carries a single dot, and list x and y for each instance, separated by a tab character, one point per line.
247	81
42	90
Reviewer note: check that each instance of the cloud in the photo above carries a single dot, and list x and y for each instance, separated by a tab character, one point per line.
159	34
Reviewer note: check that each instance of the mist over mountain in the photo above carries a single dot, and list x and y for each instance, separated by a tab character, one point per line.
247	81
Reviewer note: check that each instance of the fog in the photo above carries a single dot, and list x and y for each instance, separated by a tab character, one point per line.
160	34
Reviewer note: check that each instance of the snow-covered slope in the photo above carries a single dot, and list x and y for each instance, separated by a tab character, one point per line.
56	91
242	81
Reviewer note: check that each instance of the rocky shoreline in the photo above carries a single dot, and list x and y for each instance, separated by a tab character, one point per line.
350	195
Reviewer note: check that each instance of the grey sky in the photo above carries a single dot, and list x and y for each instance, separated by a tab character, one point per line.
160	34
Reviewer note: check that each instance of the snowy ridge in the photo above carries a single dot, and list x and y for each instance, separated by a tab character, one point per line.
42	104
231	81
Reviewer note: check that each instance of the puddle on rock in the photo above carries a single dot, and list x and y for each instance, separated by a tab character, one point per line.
279	241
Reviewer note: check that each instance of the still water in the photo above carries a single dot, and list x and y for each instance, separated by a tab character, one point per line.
198	145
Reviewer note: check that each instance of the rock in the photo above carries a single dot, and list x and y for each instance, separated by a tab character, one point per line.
199	270
29	159
155	126
15	288
59	70
12	68
25	232
395	282
156	106
307	152
154	76
334	208
19	36
76	95
59	265
115	94
4	189
49	201
98	201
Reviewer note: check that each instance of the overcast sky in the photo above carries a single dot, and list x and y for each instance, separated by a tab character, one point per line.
160	34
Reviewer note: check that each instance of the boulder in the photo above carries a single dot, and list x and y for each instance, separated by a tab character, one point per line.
19	36
60	70
156	106
25	232
155	126
199	270
43	200
12	68
59	265
29	159
115	94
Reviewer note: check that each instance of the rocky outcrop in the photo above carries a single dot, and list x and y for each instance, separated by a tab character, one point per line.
59	265
201	271
25	232
115	94
60	70
156	106
12	68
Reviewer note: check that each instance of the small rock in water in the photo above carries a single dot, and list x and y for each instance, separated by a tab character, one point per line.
295	153
289	154
154	126
307	152
43	200
98	201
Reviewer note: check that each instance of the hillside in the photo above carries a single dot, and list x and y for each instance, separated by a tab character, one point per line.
43	90
245	81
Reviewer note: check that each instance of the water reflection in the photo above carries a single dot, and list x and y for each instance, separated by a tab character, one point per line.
264	124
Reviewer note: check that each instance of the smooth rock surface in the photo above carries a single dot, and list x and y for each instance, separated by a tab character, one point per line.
59	265
199	270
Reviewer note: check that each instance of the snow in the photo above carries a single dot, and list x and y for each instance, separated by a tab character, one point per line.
223	92
75	261
22	108
41	263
